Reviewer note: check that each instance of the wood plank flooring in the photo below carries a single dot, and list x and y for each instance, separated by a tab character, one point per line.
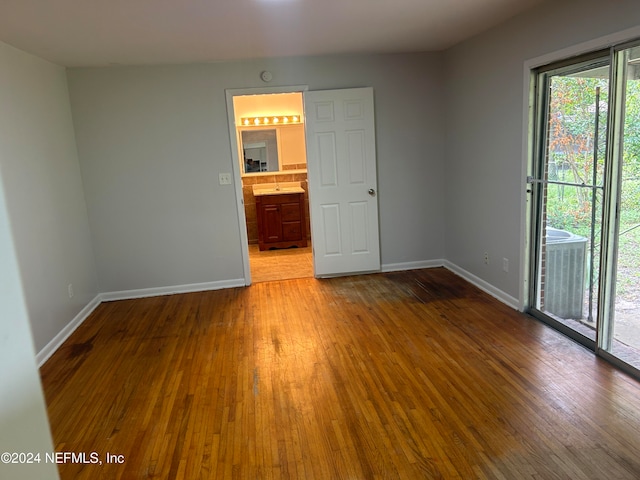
399	375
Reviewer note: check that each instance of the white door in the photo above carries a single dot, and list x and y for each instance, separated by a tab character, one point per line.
341	166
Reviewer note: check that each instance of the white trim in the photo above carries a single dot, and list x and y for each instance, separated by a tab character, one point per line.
461	272
55	343
158	291
605	41
51	347
397	267
525	206
235	162
483	285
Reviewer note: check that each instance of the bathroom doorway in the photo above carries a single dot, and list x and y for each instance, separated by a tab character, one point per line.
268	127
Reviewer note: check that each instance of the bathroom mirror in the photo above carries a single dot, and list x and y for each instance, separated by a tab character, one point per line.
260	151
272	149
275	118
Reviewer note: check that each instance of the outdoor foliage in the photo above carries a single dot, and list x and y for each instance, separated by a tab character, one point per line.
571	149
572	136
575	103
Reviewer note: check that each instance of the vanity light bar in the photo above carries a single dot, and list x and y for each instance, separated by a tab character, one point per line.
275	120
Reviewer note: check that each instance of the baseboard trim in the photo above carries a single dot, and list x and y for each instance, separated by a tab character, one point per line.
50	348
398	267
461	272
484	286
158	291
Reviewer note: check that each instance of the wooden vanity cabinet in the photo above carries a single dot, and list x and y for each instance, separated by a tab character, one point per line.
281	221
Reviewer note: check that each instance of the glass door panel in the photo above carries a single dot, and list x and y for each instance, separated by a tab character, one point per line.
622	328
568	185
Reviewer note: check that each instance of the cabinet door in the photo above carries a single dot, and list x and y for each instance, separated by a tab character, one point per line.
271	223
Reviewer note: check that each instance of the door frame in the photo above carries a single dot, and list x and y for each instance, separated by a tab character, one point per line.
610	46
535	183
528	104
235	166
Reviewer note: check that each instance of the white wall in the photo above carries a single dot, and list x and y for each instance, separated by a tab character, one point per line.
484	128
23	421
23	417
152	141
44	192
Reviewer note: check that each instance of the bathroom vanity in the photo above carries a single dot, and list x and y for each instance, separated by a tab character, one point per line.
281	215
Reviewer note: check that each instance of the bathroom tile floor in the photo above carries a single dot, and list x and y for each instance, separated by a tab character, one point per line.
283	264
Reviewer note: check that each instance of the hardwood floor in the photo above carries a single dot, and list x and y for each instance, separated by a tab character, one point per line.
399	375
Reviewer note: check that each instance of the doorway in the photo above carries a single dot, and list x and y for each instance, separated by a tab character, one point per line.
267	127
342	195
585	215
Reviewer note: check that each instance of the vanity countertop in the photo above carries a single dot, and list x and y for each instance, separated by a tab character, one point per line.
277	188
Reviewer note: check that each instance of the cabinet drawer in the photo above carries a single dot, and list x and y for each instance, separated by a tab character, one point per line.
290	212
291	231
280	198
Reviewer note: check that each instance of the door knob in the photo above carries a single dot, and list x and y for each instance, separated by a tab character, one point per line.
372	192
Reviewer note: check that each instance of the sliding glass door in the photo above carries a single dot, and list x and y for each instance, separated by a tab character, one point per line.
568	185
585	191
620	329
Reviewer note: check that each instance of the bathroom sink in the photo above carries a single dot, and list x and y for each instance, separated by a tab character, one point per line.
277	188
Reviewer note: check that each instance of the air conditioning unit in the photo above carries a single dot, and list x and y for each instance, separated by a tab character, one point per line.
565	263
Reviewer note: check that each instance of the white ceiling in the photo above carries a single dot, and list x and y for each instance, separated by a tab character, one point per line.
107	32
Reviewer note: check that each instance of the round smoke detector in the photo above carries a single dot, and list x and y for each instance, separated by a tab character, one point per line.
266	76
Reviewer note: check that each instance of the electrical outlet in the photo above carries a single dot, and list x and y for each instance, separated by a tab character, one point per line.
224	178
505	264
486	258
70	290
